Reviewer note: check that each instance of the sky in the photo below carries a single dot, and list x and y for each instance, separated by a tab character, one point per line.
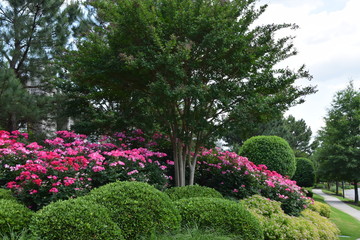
328	43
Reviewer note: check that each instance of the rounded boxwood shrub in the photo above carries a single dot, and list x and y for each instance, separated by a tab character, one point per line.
14	217
138	208
305	172
6	194
272	151
74	219
221	215
321	208
177	193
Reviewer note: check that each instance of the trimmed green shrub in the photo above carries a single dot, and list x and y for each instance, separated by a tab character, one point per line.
14	217
138	208
276	224
305	172
321	208
177	193
279	226
327	229
74	219
221	215
6	194
272	151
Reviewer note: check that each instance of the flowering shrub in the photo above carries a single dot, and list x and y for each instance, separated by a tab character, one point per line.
237	177
69	165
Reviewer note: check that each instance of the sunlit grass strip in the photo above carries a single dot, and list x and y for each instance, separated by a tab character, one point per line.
348	225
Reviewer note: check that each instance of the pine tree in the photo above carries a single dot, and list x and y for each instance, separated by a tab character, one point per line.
32	34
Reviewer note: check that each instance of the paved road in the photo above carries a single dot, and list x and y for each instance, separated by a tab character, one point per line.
335	202
350	193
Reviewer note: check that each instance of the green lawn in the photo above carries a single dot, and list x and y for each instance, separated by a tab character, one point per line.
348	225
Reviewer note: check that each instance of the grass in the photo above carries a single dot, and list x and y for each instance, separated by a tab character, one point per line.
193	233
348	225
348	201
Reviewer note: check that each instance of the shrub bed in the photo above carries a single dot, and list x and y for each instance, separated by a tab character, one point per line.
138	208
70	165
221	215
177	193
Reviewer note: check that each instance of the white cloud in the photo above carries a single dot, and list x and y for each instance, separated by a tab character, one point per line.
328	42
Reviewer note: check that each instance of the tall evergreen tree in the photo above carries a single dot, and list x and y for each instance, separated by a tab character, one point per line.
16	104
32	34
339	151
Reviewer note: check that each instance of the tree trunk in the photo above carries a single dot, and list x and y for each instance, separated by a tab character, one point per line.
356	192
192	165
12	126
337	188
179	163
343	189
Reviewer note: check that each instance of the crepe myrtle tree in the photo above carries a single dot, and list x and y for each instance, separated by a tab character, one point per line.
194	62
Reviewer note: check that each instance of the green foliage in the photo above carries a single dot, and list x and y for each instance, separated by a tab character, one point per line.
33	34
17	105
183	64
272	151
321	208
138	208
177	193
295	132
305	172
279	226
339	152
326	229
6	194
74	219
219	214
14	217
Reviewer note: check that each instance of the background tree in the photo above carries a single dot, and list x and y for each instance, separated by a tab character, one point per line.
32	33
295	132
192	64
16	105
305	172
339	151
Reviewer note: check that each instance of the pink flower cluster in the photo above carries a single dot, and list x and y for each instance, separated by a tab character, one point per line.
70	165
236	176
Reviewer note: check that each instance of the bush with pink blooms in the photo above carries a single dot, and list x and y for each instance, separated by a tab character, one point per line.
235	176
69	165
